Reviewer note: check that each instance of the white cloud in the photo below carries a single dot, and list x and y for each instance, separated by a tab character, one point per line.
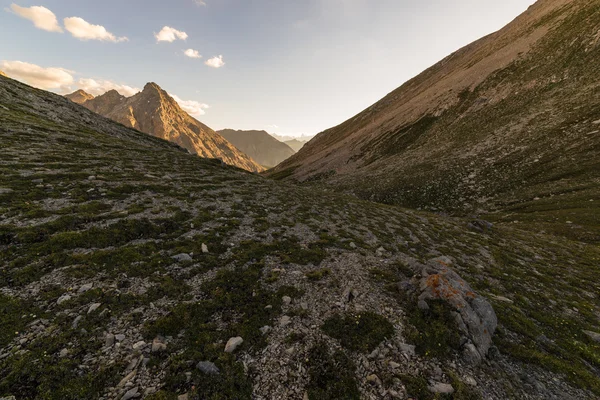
272	127
200	2
191	53
98	87
41	17
34	75
215	62
83	30
191	107
168	34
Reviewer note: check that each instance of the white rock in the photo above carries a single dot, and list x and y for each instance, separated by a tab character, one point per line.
408	349
94	307
285	320
127	378
265	329
85	288
469	380
158	345
63	353
204	248
183	257
130	394
139	345
286	300
63	298
233	343
442	388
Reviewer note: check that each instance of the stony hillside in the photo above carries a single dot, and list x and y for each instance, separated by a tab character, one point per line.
132	269
154	112
79	96
510	123
262	147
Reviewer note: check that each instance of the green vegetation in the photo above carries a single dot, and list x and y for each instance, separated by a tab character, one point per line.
16	314
434	331
331	375
359	332
238	299
318	274
42	374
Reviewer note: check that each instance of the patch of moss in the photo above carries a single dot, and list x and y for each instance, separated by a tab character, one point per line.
318	274
434	331
237	298
331	376
16	314
359	332
416	387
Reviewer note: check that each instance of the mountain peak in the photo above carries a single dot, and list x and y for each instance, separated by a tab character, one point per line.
152	87
3	74
79	96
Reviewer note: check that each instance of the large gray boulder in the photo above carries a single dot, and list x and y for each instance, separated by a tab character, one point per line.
474	315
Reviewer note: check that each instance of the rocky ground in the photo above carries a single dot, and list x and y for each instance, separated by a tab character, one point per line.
132	269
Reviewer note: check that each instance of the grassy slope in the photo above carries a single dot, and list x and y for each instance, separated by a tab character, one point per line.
80	205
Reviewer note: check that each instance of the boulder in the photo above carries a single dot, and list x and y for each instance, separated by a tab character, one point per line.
474	315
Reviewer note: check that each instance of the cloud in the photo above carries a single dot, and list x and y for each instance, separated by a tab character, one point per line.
272	127
42	17
191	53
191	107
34	75
168	34
215	62
98	87
200	2
83	30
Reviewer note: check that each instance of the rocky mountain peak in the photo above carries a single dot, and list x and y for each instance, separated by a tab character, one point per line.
155	112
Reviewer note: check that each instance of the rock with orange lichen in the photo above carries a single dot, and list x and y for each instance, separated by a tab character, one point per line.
475	316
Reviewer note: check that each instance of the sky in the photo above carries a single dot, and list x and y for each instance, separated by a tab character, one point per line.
291	67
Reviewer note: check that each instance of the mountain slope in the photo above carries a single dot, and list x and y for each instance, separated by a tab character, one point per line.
128	264
509	123
154	112
79	96
262	147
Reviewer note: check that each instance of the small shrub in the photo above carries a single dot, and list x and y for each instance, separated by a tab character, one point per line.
359	332
331	375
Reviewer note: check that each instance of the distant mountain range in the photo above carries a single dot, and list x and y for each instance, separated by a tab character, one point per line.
155	112
262	147
294	143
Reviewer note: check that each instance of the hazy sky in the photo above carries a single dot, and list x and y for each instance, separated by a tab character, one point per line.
288	66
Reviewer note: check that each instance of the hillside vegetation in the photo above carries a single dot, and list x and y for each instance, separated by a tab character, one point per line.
130	268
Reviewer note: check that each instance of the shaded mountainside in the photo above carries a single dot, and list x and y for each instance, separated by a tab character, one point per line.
79	96
130	268
154	112
508	125
262	147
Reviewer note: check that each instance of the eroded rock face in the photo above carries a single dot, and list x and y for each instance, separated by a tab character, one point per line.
475	317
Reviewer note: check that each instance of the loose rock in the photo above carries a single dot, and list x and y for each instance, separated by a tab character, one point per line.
233	344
